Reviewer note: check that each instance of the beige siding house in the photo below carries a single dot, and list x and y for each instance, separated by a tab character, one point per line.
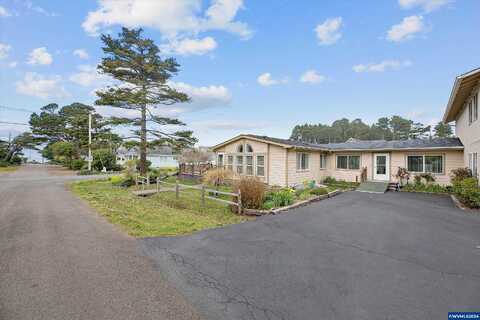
287	162
463	109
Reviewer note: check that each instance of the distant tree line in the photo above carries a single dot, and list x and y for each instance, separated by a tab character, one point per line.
394	128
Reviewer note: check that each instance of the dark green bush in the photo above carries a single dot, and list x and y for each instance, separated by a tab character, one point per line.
104	158
4	164
319	191
422	187
329	180
267	205
77	164
468	192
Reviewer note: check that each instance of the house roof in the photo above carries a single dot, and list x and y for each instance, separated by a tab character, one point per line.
357	145
413	144
462	88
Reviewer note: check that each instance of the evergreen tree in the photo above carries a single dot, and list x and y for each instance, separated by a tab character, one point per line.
143	75
443	130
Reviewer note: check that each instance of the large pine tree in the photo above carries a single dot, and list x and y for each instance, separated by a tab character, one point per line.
143	75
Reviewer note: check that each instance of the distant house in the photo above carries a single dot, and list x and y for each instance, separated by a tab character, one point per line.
288	162
160	157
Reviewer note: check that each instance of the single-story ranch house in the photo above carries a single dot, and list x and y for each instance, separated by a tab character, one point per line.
287	162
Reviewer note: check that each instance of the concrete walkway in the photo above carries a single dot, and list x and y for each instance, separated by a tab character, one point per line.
60	260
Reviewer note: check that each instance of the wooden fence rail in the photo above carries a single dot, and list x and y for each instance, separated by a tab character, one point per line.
204	193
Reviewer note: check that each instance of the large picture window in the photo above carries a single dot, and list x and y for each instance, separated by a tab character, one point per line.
425	163
348	162
302	161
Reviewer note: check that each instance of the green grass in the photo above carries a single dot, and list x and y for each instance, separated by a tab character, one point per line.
158	215
8	169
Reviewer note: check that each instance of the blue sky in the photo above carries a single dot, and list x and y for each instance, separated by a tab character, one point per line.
250	66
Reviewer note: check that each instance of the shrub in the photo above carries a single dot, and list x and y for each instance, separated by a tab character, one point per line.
428	177
281	198
4	164
217	177
329	180
417	179
319	191
16	160
468	192
460	174
421	187
402	174
304	195
253	192
104	158
117	180
267	205
77	164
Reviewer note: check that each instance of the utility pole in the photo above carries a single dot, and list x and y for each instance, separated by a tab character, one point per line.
89	141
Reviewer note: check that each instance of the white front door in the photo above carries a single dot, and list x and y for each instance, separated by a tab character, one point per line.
381	166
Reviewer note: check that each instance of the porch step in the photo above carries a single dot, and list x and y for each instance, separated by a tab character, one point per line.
373	187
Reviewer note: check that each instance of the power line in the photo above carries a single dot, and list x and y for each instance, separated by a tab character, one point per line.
16	109
18	123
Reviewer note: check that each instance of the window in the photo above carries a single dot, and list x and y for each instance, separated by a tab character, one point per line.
249	148
348	162
354	162
472	163
434	164
220	161
240	148
230	163
342	162
249	167
261	166
475	107
415	163
323	161
429	164
470	112
239	164
302	161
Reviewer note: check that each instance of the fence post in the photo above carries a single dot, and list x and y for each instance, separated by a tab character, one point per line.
239	199
203	195
148	179
177	189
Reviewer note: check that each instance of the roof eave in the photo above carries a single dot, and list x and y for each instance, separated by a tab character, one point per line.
246	136
397	149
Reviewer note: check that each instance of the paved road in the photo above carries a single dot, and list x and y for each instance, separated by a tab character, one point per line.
59	260
356	256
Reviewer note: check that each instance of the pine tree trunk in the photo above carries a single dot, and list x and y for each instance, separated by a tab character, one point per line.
143	142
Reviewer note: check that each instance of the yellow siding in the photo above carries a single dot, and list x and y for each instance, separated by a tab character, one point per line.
299	176
277	166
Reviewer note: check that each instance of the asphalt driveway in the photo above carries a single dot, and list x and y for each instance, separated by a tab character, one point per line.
60	260
356	256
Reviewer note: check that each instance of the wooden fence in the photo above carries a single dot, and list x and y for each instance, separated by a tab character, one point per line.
177	187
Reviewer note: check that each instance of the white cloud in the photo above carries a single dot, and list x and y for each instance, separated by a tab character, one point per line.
89	76
406	29
329	31
38	9
44	87
170	17
427	5
12	64
81	53
40	56
187	47
4	12
266	80
382	66
4	50
312	76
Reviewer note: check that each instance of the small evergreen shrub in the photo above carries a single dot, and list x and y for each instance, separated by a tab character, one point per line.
329	180
77	164
468	192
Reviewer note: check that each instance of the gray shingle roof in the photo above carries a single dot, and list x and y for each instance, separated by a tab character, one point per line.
372	144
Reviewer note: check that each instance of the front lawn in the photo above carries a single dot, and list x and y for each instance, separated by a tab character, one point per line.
8	169
158	215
